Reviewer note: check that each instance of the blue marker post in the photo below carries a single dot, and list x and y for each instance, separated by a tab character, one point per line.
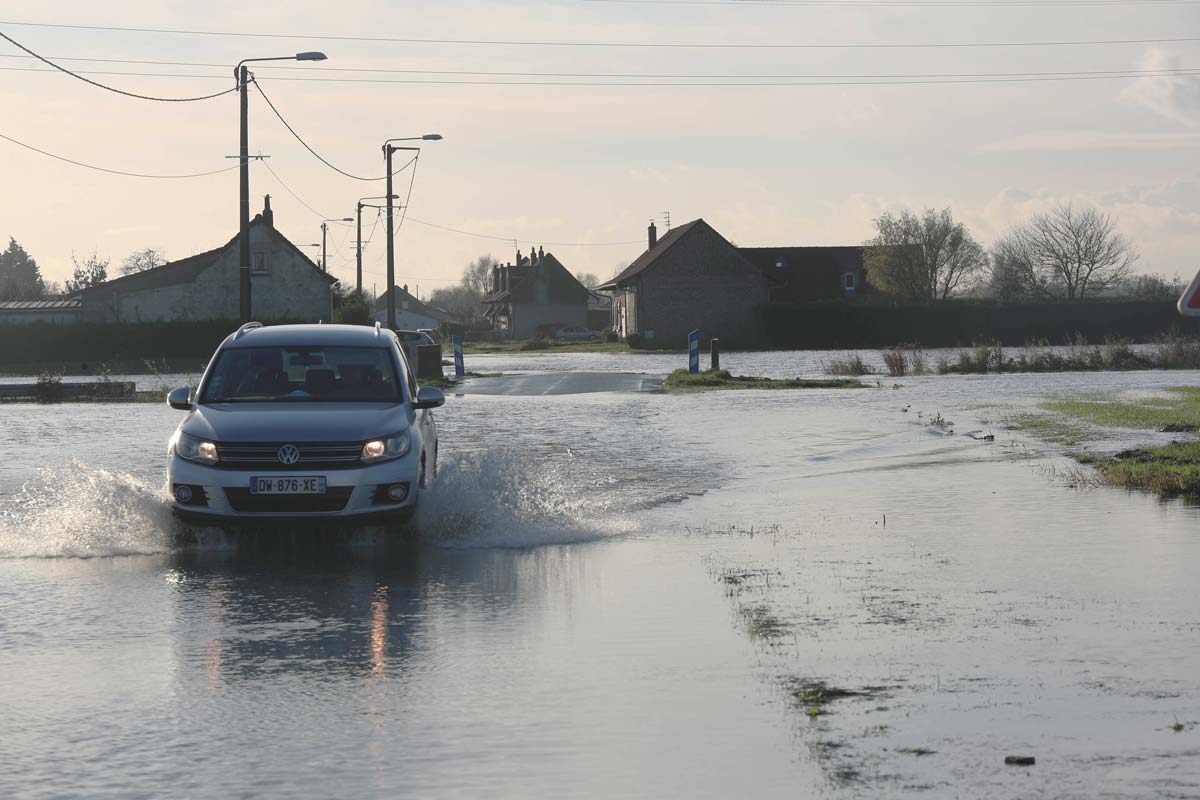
694	352
458	358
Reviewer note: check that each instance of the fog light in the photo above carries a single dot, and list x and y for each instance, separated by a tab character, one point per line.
183	494
398	492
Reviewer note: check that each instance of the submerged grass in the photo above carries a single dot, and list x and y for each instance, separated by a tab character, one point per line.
682	380
1179	410
1172	470
1168	352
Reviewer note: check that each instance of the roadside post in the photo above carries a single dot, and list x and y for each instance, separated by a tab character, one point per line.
459	372
715	352
694	352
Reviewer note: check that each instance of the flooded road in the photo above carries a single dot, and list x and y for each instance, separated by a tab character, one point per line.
798	594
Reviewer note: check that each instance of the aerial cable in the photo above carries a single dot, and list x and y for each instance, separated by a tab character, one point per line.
112	171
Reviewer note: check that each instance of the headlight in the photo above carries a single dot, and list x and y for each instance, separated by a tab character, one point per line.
193	449
386	449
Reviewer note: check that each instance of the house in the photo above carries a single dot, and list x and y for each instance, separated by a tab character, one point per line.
285	284
60	311
812	274
411	313
693	278
599	312
534	295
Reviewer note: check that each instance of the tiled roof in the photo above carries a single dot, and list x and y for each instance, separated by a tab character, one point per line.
58	304
646	259
414	305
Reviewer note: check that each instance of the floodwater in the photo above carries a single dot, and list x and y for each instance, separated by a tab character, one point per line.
616	594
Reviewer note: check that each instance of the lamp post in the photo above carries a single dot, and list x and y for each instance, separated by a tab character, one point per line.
324	227
242	74
388	149
358	212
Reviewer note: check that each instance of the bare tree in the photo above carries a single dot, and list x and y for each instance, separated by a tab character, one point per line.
1069	254
1155	288
923	259
142	261
93	271
588	279
477	277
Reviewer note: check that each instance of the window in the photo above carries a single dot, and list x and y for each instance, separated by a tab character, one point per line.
261	263
779	263
849	280
303	375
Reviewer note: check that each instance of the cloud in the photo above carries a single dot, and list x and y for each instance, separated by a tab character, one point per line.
1175	97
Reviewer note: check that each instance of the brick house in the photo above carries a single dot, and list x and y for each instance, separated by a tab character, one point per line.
692	278
812	274
285	284
533	295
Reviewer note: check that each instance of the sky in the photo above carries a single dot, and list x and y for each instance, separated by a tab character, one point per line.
578	168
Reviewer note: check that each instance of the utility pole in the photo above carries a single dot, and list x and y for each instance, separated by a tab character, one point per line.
324	262
358	253
388	149
244	197
242	73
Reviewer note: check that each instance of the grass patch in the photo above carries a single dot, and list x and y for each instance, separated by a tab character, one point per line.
682	380
1168	352
1048	429
1179	409
1172	470
761	624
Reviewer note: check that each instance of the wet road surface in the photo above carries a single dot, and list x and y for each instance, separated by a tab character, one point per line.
550	383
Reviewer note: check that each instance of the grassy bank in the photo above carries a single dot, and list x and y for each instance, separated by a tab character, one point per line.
682	380
545	346
1170	470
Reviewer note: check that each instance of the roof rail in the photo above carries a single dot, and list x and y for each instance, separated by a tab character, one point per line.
378	327
249	326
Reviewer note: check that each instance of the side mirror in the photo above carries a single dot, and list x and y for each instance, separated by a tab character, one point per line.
429	397
178	399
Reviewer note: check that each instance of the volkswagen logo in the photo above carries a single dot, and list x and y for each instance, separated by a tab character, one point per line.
288	454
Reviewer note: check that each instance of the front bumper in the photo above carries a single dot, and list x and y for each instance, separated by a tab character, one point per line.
227	492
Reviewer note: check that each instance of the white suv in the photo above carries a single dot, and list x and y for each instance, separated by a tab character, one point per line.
304	421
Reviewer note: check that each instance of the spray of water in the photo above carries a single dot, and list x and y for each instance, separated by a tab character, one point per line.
508	499
79	511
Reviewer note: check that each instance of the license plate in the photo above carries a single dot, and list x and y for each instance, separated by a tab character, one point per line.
287	486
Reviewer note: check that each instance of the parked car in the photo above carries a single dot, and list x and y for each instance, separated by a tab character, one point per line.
304	421
576	333
410	340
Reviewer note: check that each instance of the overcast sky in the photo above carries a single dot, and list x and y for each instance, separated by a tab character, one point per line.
765	165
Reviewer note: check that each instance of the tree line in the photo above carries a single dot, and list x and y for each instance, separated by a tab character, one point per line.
1067	254
21	278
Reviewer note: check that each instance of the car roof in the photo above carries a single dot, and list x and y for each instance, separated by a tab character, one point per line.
331	335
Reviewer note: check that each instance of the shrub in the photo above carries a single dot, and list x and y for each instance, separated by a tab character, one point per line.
897	363
611	336
49	387
353	313
537	344
851	364
636	341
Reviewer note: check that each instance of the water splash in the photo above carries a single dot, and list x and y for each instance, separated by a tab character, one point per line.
507	499
79	511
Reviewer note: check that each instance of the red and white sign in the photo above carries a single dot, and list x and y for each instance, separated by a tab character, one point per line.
1189	303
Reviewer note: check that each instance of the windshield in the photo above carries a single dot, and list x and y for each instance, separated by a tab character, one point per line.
303	374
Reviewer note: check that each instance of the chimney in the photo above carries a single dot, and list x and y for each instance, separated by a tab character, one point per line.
533	257
541	253
518	258
504	278
268	215
652	234
496	278
406	288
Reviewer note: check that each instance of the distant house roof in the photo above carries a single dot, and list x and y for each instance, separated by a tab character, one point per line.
517	274
415	306
185	270
57	304
649	258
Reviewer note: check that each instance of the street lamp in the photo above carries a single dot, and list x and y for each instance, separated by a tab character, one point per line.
324	226
358	212
242	74
388	149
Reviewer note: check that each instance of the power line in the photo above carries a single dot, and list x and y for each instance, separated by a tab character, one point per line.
614	44
66	71
1164	71
111	171
524	241
315	154
849	80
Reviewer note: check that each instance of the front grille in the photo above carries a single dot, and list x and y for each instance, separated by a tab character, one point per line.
313	455
334	499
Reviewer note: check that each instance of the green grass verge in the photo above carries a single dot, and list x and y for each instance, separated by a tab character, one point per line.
1172	470
1180	408
682	380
